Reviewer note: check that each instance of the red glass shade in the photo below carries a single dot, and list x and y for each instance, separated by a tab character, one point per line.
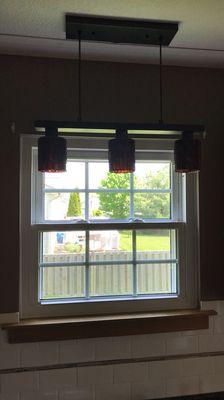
52	152
121	153
187	154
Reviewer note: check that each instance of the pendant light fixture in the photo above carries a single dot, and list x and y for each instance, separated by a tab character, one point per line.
121	148
187	153
52	152
121	153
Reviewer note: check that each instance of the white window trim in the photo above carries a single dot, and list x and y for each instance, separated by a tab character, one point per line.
29	233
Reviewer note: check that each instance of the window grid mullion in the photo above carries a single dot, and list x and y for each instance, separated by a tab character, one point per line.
134	265
86	191
87	271
132	196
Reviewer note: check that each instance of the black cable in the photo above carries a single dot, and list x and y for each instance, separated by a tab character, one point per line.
79	118
160	81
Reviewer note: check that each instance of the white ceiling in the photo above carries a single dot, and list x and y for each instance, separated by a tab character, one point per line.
37	28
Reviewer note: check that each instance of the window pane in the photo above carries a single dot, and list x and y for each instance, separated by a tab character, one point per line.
156	278
155	244
100	177
151	205
73	178
63	247
62	282
106	205
64	206
110	245
110	280
152	175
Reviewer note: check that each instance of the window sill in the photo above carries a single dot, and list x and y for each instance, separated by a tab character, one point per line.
107	325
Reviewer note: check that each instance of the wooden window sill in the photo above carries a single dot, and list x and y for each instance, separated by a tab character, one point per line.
38	330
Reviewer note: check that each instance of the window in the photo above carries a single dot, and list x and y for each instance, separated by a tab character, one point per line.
95	242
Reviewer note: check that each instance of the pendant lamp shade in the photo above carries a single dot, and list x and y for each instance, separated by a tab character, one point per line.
121	153
187	154
52	152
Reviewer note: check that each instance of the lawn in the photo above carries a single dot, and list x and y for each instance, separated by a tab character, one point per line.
145	242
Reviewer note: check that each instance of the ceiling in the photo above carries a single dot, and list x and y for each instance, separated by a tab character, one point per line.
37	28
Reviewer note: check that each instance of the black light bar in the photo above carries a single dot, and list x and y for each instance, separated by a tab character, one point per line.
108	129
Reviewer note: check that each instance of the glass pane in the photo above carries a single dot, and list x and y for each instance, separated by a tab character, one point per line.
156	278
63	247
73	178
110	280
110	246
152	175
106	205
62	282
64	206
155	244
100	177
151	205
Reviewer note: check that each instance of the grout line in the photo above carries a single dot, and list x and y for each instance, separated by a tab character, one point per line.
110	362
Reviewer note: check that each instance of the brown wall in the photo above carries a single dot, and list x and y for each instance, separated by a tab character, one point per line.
35	88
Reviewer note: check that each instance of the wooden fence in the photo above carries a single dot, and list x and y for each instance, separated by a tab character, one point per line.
60	281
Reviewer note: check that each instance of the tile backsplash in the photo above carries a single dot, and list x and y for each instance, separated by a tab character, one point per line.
133	367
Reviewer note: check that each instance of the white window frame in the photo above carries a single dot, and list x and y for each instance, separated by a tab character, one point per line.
186	224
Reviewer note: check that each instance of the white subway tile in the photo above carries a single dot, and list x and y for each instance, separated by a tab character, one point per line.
121	391
182	386
219	324
210	305
57	378
182	345
9	357
77	351
95	375
113	348
131	372
16	382
147	345
211	343
218	363
11	396
36	354
212	383
197	366
148	390
78	393
165	369
39	396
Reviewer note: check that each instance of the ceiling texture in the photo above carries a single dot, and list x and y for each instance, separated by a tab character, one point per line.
37	28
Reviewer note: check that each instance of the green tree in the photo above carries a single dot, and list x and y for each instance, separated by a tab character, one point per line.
146	205
74	205
153	205
115	205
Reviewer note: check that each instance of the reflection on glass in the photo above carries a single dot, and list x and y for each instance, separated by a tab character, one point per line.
73	178
110	245
156	278
62	282
155	244
152	205
63	247
152	175
64	206
110	280
109	205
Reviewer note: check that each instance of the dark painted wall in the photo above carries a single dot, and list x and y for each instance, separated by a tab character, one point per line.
35	88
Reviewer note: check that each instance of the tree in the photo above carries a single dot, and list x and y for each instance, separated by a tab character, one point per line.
115	205
146	205
74	205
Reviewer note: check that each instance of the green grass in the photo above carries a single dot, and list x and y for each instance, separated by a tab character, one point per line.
145	243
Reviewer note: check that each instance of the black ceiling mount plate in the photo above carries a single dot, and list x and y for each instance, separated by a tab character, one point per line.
135	31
